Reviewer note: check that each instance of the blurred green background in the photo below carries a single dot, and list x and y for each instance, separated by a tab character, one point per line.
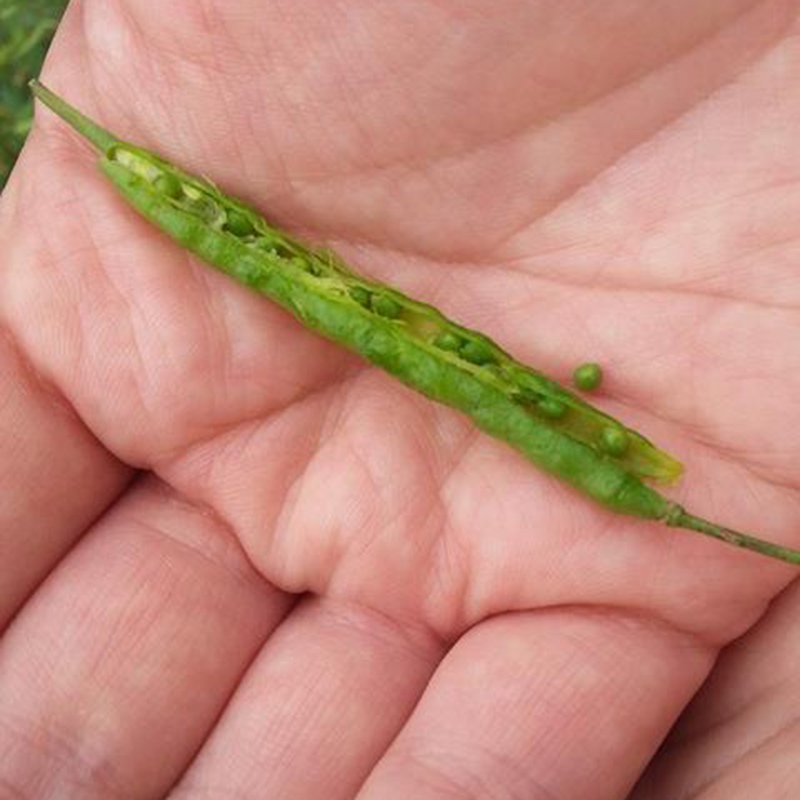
26	28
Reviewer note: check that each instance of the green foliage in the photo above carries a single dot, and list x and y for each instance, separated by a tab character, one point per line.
26	28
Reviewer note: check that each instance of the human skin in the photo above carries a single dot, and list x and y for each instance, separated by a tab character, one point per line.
239	563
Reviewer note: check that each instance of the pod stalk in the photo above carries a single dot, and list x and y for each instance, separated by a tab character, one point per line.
682	519
96	134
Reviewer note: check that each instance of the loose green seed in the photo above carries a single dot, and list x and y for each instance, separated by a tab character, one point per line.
492	403
360	295
167	184
614	441
476	352
587	377
386	306
447	341
551	408
239	224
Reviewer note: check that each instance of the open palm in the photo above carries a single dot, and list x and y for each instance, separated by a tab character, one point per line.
238	562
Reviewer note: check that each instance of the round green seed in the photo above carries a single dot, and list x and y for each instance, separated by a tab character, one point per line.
386	306
238	224
360	295
551	408
614	441
447	340
167	184
587	377
476	352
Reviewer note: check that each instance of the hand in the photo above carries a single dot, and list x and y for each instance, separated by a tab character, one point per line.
239	563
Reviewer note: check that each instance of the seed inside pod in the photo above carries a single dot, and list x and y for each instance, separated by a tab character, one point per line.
551	408
360	295
476	352
238	224
167	184
386	306
447	340
614	441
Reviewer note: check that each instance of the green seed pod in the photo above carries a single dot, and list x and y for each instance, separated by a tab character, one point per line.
562	449
239	224
614	441
447	340
551	408
587	377
476	352
167	184
386	306
360	295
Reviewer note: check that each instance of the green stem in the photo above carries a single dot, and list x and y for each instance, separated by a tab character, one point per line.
97	135
682	519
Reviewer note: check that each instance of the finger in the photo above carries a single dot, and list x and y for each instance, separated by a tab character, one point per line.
55	478
565	703
436	528
742	722
770	771
327	694
115	671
